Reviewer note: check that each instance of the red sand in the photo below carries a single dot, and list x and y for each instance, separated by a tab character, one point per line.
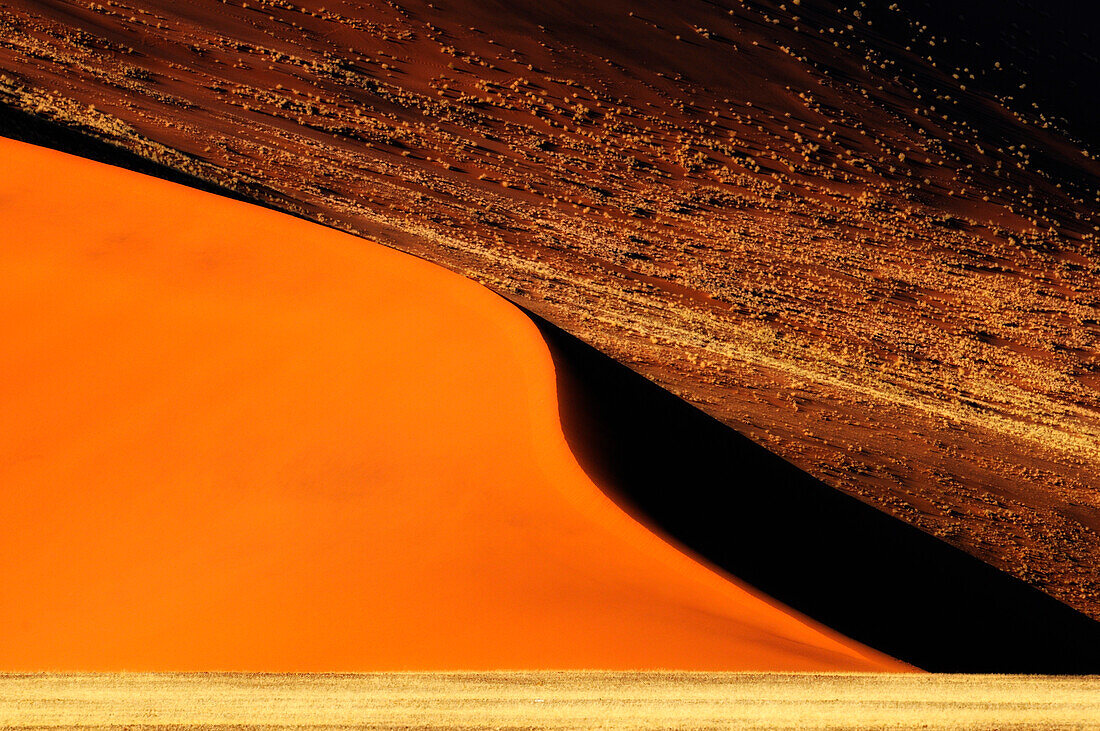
231	439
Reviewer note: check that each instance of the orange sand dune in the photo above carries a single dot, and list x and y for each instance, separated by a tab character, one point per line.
231	439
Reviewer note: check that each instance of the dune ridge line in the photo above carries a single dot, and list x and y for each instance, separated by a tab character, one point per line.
234	440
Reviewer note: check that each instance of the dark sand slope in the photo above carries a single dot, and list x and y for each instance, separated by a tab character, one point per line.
231	439
830	556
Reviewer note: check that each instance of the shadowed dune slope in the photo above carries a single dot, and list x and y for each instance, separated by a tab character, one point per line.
231	439
828	555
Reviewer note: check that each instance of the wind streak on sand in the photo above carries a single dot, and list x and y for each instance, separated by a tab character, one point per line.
548	700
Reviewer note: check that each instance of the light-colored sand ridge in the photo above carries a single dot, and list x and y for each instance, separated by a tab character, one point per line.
231	439
542	700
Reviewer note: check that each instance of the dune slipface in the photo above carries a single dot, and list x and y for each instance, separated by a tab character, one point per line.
232	439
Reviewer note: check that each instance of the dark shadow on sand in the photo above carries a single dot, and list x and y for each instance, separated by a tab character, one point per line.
829	556
19	125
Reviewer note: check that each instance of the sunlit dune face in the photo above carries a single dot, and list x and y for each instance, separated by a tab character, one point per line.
231	439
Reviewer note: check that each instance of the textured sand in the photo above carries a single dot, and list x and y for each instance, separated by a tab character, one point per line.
553	701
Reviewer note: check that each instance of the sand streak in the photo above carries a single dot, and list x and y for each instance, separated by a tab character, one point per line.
547	700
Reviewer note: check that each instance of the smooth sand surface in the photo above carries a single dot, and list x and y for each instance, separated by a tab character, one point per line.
543	700
235	440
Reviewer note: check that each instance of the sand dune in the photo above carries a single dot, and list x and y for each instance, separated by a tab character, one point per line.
232	439
842	228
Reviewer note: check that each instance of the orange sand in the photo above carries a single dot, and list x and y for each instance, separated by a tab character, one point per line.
230	439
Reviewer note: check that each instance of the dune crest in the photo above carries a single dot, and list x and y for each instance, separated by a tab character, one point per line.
235	440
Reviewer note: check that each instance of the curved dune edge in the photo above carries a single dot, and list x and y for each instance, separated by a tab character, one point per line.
753	515
234	440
